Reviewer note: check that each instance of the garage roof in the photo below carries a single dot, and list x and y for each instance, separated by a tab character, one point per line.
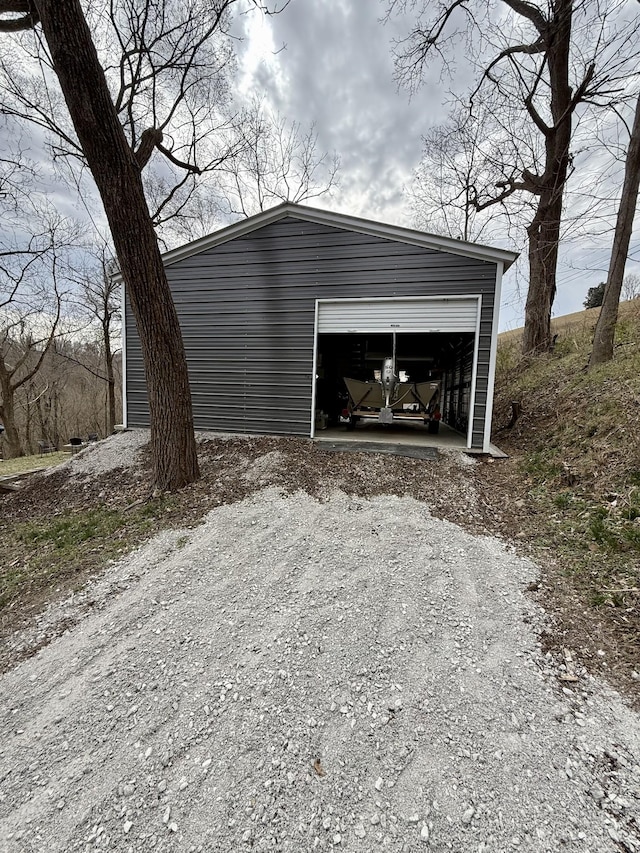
350	223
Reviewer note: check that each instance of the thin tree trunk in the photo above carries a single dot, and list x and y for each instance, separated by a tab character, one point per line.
11	434
119	181
606	326
55	429
111	384
28	408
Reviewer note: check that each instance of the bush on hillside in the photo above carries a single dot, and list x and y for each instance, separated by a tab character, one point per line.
595	296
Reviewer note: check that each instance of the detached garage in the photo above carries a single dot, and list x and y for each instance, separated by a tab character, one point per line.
277	310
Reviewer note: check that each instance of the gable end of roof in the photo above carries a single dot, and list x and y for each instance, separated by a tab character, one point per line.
423	239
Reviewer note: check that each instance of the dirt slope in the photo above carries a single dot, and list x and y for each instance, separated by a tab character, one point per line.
307	670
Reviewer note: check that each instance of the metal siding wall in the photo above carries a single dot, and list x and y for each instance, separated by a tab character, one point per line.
247	310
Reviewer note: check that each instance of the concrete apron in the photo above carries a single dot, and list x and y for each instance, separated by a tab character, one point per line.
398	439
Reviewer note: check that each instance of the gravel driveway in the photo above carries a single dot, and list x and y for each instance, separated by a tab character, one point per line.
296	675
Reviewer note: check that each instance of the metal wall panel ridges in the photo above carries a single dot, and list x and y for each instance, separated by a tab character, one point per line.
247	313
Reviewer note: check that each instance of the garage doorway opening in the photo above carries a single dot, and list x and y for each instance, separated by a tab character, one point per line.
420	357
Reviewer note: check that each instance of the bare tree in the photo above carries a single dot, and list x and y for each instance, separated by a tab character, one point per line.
460	166
442	186
273	160
162	91
278	162
30	304
545	61
99	297
631	286
605	327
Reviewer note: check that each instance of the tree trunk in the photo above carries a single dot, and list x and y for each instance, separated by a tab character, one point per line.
119	181
11	435
111	384
544	236
544	231
605	327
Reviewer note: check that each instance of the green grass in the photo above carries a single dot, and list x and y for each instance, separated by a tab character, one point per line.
70	531
9	467
541	465
577	448
43	552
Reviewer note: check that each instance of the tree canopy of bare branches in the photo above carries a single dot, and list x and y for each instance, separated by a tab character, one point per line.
279	162
98	298
458	171
539	67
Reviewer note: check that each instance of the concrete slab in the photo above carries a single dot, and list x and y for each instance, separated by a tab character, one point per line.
494	452
415	435
411	437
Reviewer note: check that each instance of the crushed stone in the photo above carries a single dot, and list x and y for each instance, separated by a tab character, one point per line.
296	675
116	451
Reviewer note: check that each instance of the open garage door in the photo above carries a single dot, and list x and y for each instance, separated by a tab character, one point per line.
436	339
398	315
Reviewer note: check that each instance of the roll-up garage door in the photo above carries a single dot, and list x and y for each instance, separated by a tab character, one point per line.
398	315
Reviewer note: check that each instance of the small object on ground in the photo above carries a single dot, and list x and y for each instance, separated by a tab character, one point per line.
569	675
317	766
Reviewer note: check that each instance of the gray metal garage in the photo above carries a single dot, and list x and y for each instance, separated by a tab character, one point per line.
277	309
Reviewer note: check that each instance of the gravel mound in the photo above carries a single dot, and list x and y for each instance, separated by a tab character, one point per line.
296	675
121	450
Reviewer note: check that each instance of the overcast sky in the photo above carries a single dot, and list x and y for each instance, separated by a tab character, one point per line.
330	62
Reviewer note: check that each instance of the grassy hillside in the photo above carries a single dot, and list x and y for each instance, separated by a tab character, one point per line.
574	475
572	418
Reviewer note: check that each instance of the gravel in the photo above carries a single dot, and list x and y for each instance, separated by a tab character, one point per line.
296	675
101	457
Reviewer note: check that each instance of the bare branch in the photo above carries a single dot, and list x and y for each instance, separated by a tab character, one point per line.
150	139
188	167
28	15
530	12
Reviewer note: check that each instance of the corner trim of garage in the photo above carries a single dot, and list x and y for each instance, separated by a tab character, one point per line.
314	371
125	401
493	353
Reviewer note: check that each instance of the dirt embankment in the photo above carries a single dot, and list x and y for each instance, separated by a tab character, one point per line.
295	671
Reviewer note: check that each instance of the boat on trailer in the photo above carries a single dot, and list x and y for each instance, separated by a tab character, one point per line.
388	400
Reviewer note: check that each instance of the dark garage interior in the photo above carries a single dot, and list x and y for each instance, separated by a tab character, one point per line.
447	357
